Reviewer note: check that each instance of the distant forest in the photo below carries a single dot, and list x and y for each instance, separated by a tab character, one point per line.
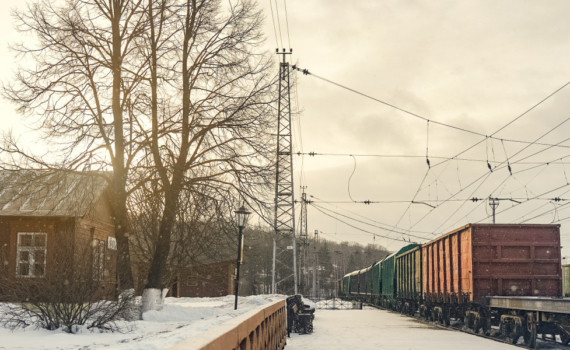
333	260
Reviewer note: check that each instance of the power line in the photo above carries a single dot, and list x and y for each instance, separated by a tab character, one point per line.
287	21
474	199
306	72
362	222
360	229
278	22
313	154
359	215
274	28
498	166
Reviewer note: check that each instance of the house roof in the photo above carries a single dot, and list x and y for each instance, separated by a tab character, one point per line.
33	193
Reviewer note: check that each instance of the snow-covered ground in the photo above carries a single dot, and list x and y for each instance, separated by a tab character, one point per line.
180	319
372	329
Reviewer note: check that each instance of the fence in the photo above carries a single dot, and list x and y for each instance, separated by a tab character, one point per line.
336	304
261	328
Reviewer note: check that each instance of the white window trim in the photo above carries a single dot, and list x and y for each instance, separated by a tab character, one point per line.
31	255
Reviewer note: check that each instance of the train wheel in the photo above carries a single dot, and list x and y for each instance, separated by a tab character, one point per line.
565	338
508	333
486	325
477	324
466	322
446	318
439	317
530	331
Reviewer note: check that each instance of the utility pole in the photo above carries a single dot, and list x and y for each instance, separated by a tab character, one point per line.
303	236
315	264
284	194
493	203
339	255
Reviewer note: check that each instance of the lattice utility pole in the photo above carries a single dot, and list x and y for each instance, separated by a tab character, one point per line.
284	196
303	235
315	265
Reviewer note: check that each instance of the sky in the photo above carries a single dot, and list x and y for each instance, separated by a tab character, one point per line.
473	64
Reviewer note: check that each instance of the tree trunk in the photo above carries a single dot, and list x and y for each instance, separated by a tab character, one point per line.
119	173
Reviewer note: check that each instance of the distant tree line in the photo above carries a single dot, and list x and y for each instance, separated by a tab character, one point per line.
332	260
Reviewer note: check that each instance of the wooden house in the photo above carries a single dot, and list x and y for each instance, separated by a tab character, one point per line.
56	222
214	279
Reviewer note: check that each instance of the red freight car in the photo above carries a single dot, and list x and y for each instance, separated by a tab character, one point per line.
480	260
463	267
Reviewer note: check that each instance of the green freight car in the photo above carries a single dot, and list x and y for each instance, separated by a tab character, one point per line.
350	283
365	282
388	278
375	281
409	279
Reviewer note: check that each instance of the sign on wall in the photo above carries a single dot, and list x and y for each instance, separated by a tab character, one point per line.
111	243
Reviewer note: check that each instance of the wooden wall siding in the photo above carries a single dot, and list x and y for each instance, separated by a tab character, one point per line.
65	235
213	280
264	328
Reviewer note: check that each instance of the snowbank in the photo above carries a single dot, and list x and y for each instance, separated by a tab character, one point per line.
179	319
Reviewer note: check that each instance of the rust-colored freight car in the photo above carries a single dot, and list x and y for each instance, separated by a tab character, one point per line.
480	260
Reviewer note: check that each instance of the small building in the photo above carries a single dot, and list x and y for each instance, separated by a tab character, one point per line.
55	222
214	279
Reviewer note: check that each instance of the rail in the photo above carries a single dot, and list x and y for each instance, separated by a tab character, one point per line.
264	327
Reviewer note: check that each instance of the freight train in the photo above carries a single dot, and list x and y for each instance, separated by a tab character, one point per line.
503	275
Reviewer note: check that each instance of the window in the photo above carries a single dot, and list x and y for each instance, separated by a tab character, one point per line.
192	281
31	257
98	260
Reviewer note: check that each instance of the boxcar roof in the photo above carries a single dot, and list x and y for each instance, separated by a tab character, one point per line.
486	225
54	193
352	273
408	248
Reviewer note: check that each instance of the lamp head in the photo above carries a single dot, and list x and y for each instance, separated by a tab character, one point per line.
242	214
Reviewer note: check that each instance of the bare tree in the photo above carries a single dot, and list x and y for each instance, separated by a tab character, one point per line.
77	86
215	121
172	95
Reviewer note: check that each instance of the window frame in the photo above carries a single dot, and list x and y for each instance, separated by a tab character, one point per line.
192	280
31	254
99	250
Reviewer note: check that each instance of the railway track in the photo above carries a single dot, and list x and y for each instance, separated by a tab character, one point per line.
552	344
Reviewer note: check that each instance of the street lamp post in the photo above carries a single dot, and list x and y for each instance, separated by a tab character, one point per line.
242	214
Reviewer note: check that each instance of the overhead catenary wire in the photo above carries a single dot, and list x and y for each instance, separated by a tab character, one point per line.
486	137
497	167
307	72
357	220
321	201
274	27
360	229
287	22
278	22
328	154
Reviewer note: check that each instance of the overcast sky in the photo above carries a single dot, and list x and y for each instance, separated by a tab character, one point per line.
474	64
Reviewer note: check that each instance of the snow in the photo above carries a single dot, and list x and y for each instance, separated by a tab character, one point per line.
372	329
179	319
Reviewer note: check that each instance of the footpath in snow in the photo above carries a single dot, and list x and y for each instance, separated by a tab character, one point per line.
373	329
180	319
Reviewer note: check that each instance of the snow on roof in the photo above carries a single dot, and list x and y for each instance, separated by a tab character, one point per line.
54	193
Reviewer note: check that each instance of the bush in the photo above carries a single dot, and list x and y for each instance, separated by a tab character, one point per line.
72	294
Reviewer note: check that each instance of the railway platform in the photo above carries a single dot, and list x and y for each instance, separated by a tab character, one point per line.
372	329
